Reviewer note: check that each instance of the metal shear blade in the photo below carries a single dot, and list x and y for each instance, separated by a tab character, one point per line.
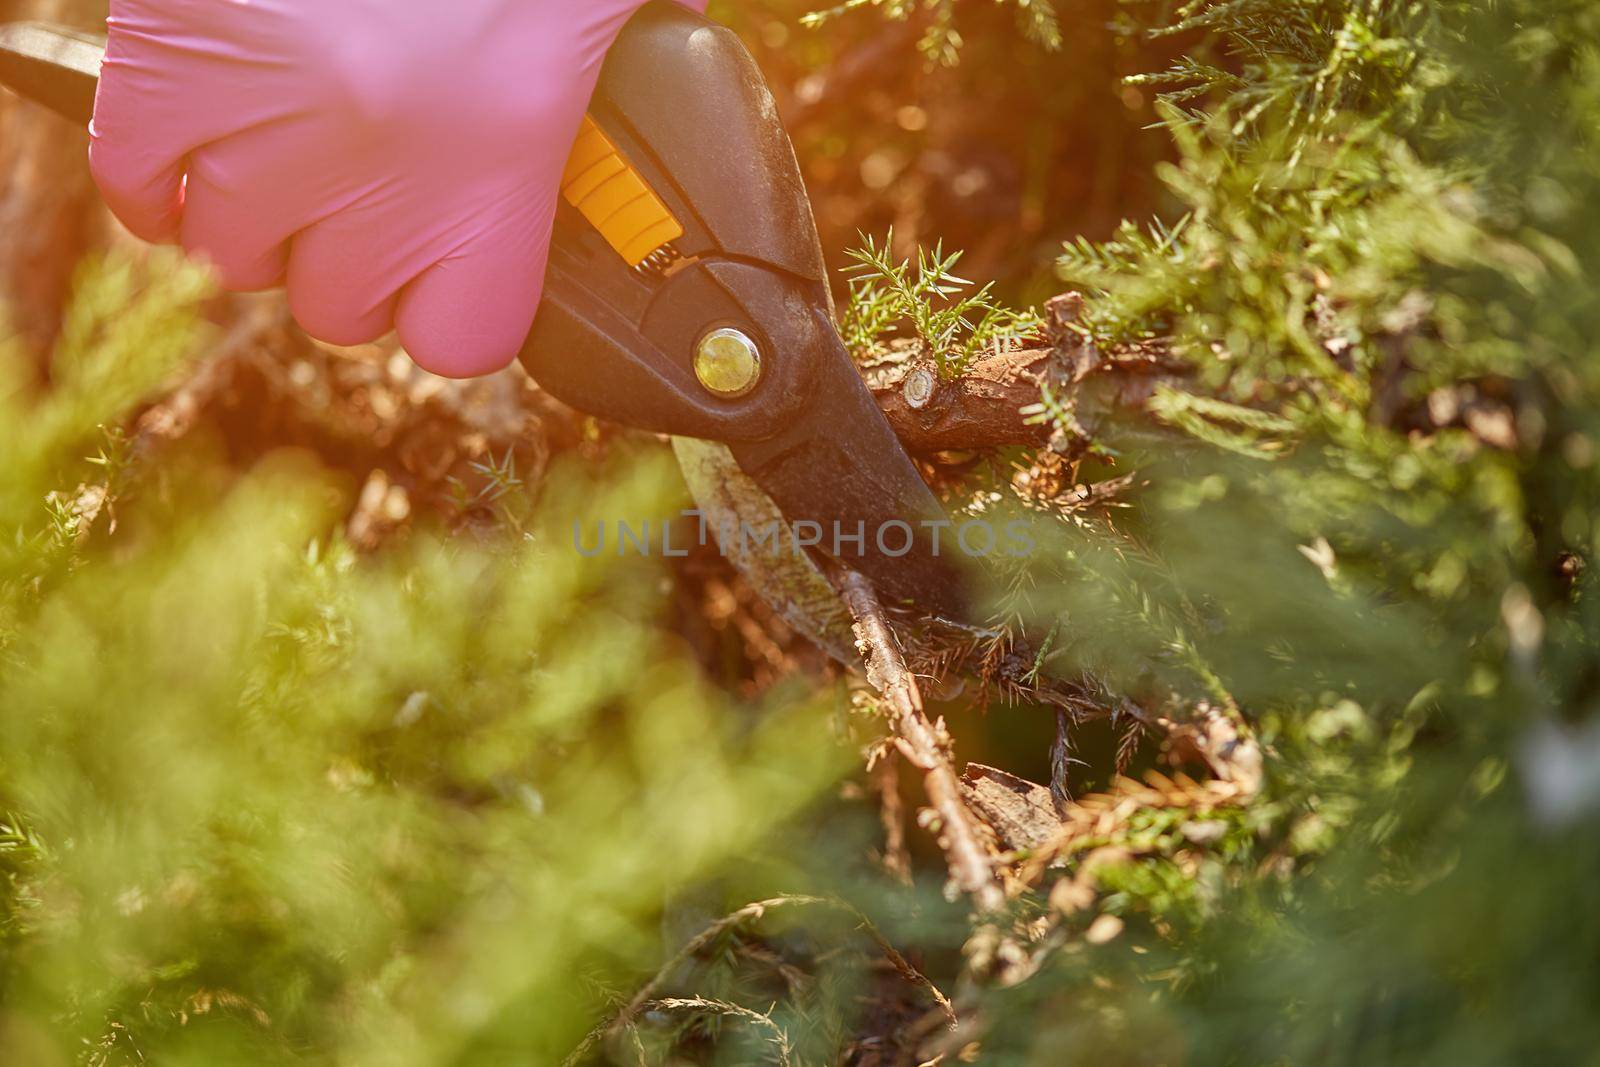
55	67
838	466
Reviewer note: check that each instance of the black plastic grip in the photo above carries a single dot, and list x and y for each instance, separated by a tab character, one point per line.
687	106
53	66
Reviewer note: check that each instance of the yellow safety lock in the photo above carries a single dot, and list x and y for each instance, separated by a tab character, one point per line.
602	185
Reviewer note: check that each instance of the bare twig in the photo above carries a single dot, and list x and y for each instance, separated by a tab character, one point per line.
641	1001
174	416
1061	762
904	968
891	811
779	1039
924	744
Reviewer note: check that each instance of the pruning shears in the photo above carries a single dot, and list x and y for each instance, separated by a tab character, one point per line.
687	293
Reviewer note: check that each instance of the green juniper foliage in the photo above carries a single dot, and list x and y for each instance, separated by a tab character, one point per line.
944	317
262	801
1377	542
1370	531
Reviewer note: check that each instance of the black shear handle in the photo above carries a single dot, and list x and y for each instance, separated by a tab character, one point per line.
689	110
53	66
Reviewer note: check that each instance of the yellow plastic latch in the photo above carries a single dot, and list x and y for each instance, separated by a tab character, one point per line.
615	199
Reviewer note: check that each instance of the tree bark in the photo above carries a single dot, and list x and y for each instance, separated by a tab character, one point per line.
987	407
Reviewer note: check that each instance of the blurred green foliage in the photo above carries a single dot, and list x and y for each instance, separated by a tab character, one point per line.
1372	533
268	802
941	40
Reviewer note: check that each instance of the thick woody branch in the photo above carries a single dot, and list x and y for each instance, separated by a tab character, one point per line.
983	408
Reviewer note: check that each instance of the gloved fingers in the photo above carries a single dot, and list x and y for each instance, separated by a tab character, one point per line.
141	181
139	171
470	313
222	226
169	85
342	281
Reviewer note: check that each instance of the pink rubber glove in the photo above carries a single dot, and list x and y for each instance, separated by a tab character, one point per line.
395	162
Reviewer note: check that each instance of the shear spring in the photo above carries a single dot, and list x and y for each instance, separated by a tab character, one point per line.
657	263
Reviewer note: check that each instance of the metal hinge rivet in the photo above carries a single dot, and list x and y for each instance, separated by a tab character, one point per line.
727	362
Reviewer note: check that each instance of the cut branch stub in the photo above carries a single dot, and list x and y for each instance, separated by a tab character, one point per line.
919	386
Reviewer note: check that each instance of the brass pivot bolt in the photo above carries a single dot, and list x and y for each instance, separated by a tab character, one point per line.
727	362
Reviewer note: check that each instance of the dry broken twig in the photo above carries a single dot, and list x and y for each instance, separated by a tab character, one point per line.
1021	813
645	998
885	775
779	1039
924	744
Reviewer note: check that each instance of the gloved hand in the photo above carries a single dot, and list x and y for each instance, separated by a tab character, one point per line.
395	162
